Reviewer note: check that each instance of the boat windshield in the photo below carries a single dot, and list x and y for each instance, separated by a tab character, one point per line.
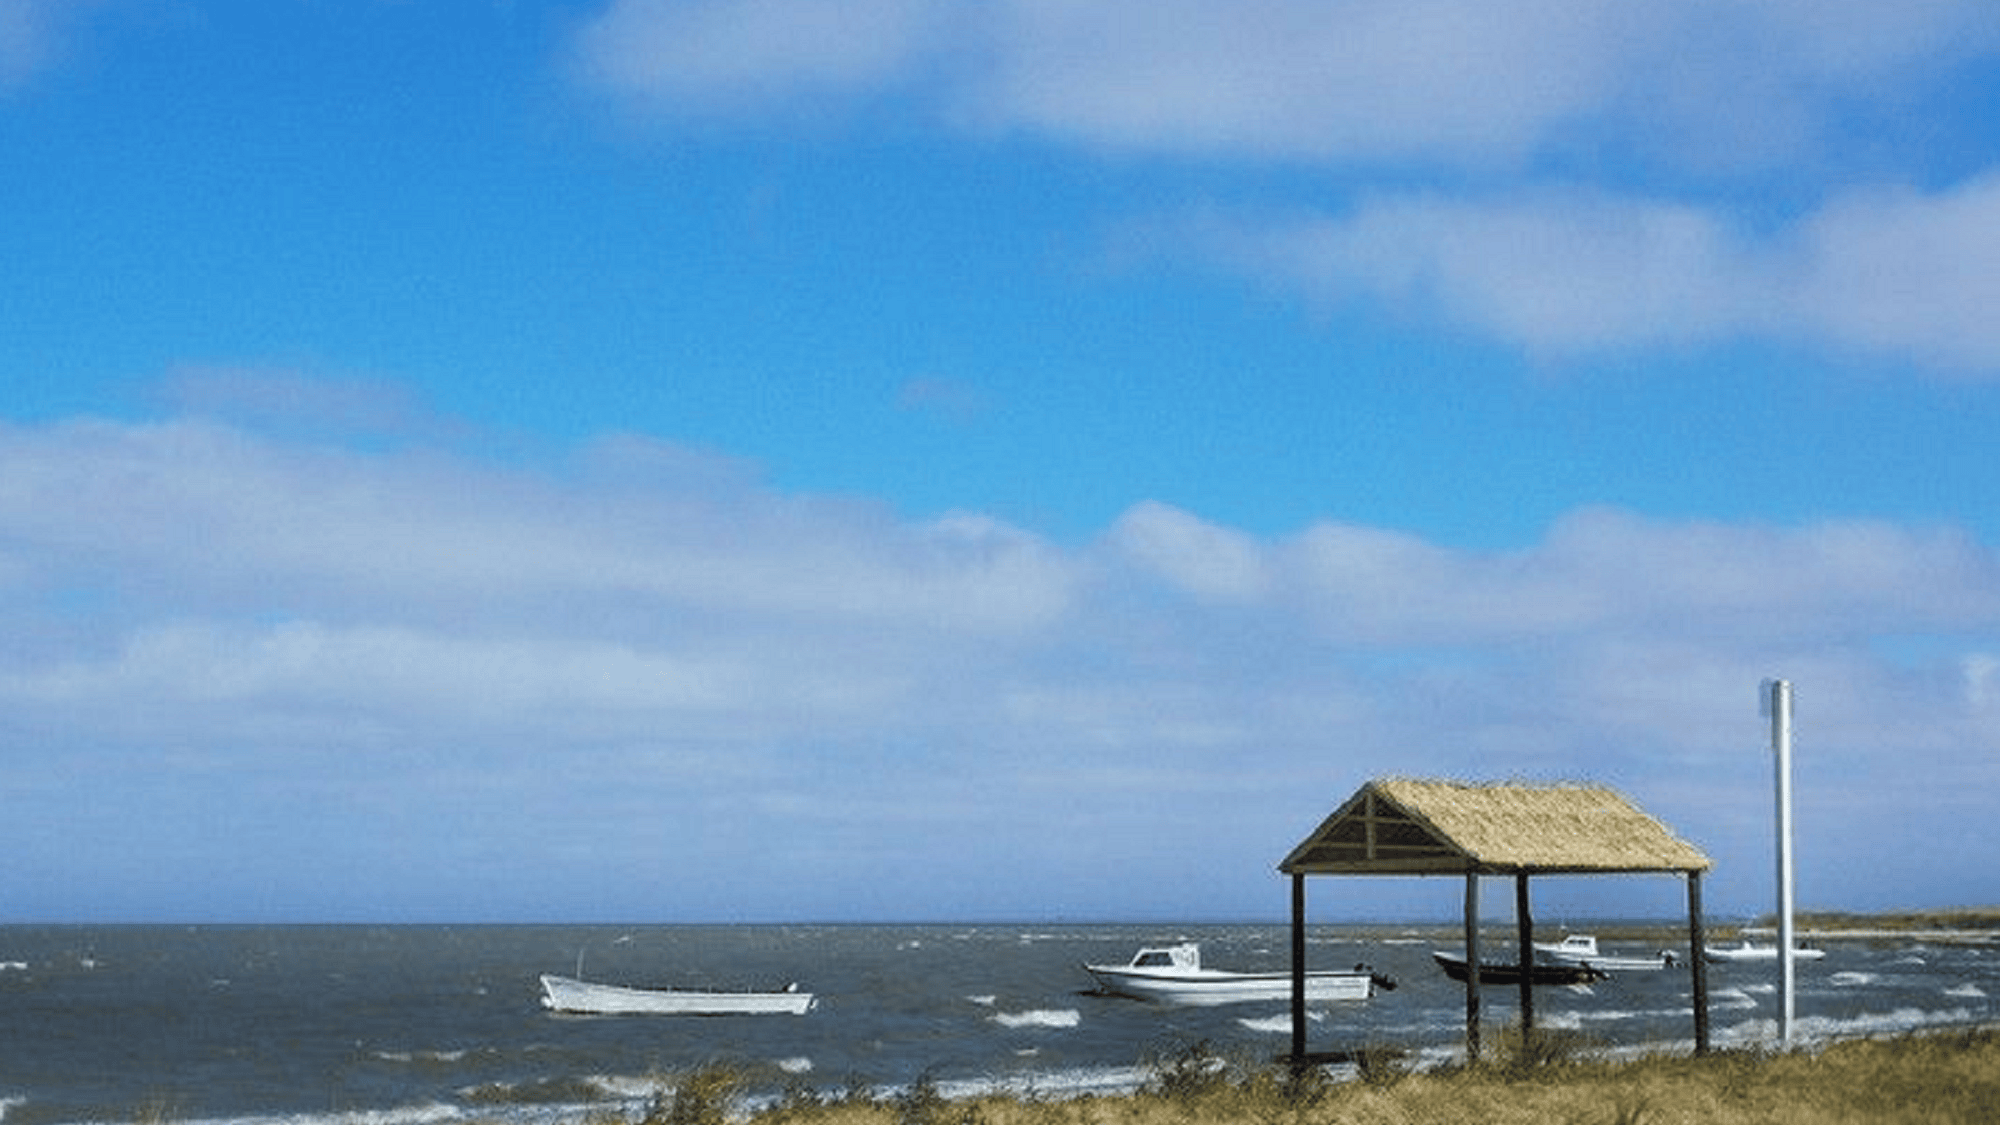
1185	956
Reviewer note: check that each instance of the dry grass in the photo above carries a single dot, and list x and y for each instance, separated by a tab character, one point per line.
1939	1079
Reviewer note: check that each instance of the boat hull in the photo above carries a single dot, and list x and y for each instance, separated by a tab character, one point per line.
1214	986
568	995
1454	967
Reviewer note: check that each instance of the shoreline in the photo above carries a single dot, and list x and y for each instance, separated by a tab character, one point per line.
1936	937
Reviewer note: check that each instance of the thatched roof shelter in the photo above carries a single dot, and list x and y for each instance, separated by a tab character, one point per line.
1402	826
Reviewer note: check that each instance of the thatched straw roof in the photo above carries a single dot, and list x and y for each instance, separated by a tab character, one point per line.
1407	827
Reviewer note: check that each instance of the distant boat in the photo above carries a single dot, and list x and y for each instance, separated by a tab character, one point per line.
1749	952
1453	965
1581	949
1174	975
569	995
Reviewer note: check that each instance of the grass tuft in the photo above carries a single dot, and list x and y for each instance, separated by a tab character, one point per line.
703	1096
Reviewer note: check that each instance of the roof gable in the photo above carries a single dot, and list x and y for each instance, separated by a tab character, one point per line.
1409	827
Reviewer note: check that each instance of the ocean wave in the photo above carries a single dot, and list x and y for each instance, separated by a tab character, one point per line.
536	1091
1619	1015
423	1057
1966	992
1852	979
1278	1024
429	1113
1824	1029
1732	999
1056	1085
1039	1017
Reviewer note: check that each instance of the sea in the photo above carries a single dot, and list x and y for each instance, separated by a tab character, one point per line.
420	1025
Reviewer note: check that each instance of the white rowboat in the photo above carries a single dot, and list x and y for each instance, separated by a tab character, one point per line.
1749	952
567	994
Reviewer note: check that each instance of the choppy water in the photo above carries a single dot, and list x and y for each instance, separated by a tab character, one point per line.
327	1025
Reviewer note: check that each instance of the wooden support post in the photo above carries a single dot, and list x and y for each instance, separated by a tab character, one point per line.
1472	966
1298	970
1698	962
1525	923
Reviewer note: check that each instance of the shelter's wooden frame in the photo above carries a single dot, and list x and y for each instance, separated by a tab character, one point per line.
1409	827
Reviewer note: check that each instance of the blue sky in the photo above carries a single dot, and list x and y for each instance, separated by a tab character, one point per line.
880	460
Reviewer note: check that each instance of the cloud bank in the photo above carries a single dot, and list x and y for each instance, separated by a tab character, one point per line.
643	663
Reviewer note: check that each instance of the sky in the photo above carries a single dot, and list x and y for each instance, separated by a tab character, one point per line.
873	460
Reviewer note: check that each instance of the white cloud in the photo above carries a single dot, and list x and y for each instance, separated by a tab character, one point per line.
1559	271
1200	558
24	38
1898	270
709	56
1451	81
1876	272
1367	81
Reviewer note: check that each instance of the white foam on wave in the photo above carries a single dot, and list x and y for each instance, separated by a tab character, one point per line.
1848	979
427	1114
446	1056
1965	991
1039	1017
1615	1015
1731	999
1280	1023
7	1104
1057	1085
797	1064
984	999
1826	1029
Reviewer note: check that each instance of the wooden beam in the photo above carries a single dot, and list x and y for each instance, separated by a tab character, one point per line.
1298	971
1472	966
1524	924
1698	962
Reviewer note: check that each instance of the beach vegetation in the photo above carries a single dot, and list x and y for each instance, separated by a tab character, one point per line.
1548	1077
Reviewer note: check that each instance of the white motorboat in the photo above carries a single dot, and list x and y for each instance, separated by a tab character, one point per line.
1748	951
1174	974
1581	949
569	995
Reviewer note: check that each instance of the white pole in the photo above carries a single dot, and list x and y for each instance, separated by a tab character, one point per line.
1781	746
